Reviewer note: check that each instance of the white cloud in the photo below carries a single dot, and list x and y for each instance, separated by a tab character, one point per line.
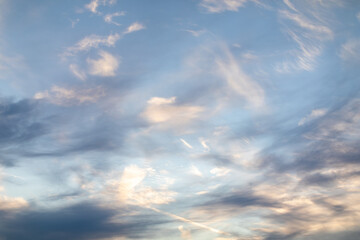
220	171
203	143
166	112
93	41
65	97
195	171
185	233
309	27
350	51
217	6
134	27
77	72
343	124
131	190
109	17
358	16
239	81
316	113
186	143
94	4
305	23
105	66
195	33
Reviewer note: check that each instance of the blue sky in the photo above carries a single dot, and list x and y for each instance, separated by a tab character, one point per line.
167	119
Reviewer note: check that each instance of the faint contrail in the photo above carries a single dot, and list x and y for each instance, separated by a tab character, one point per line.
189	221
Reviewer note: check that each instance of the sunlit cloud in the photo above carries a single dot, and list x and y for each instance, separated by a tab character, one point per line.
94	4
109	17
105	66
93	41
63	96
316	113
219	172
195	171
225	119
239	81
186	143
77	72
185	233
134	27
311	30
216	6
165	112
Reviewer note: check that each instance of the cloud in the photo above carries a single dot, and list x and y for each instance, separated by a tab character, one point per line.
350	51
93	41
309	29
219	172
131	189
196	33
66	97
185	233
105	66
195	171
109	17
217	6
8	203
20	126
165	112
316	113
81	221
186	143
77	72
134	27
239	81
339	125
94	4
204	144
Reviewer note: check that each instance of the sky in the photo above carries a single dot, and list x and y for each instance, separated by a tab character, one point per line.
169	119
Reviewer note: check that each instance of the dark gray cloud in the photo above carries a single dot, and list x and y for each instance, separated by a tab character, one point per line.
18	122
81	221
239	200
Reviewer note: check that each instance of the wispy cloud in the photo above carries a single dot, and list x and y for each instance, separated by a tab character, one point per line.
195	171
66	97
134	27
109	17
105	66
196	33
94	4
316	113
217	6
311	30
185	233
204	144
77	72
186	143
93	41
166	113
239	81
350	51
220	171
131	189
